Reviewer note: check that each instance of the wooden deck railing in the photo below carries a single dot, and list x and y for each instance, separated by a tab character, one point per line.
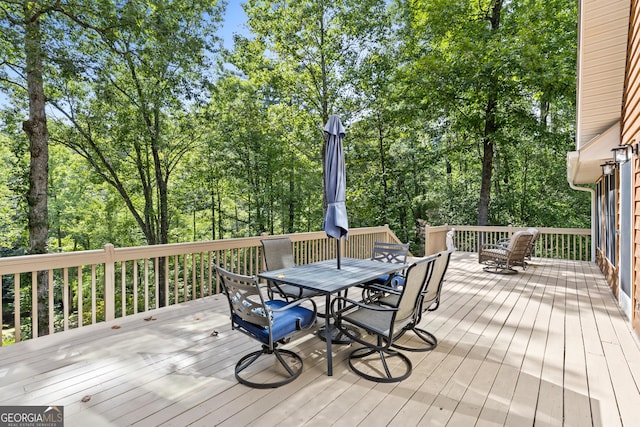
560	243
87	287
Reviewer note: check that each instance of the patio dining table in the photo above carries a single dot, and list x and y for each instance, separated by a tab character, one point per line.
324	277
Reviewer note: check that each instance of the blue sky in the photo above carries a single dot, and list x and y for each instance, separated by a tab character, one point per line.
234	21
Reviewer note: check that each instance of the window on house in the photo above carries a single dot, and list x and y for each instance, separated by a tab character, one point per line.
610	217
599	215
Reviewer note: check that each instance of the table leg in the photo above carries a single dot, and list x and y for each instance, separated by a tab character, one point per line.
327	326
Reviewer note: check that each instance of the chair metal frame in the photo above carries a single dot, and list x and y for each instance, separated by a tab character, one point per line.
385	252
255	317
386	323
429	301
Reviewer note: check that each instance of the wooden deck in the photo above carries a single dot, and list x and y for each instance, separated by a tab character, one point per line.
547	346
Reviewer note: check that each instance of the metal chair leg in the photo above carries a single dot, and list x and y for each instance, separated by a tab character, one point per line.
425	336
249	359
379	364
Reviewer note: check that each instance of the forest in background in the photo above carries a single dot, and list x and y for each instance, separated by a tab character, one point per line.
456	112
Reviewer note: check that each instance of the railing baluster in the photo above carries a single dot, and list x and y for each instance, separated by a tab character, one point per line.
201	281
156	283
34	307
17	308
80	298
135	286
50	285
65	298
123	287
194	282
209	273
145	273
93	294
176	291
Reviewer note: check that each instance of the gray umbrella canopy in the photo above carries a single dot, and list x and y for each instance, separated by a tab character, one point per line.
336	223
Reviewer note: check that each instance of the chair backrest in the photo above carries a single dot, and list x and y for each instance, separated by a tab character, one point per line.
278	253
245	299
390	252
435	280
415	281
519	244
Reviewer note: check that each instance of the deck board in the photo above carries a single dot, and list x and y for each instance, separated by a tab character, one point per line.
547	346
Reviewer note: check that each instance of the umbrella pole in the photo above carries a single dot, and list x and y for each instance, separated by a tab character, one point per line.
338	250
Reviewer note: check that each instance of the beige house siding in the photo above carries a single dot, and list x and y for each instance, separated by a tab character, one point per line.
602	48
631	135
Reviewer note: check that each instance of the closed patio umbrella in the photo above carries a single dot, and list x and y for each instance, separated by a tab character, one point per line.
336	223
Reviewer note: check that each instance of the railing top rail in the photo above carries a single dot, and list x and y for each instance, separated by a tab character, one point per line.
506	228
29	263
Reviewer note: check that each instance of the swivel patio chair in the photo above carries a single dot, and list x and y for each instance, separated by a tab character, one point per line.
532	244
385	252
501	259
429	301
398	279
278	253
269	322
383	323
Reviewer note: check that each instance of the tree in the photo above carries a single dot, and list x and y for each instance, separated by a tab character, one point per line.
310	45
147	60
144	69
477	65
23	70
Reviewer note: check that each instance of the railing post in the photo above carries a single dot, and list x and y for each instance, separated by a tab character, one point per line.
109	283
426	239
263	264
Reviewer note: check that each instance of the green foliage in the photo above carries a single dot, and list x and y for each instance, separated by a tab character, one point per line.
144	135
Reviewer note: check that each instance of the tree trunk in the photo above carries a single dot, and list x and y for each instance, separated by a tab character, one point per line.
485	189
292	207
383	169
490	127
36	130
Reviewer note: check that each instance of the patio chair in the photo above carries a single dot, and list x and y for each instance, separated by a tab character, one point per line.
532	244
501	259
376	361
278	253
429	301
385	252
269	322
398	280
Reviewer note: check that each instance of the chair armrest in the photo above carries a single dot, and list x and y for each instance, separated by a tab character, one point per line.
350	304
504	242
493	246
383	288
294	304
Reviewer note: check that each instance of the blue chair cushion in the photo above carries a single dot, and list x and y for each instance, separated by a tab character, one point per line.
284	323
397	282
381	280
